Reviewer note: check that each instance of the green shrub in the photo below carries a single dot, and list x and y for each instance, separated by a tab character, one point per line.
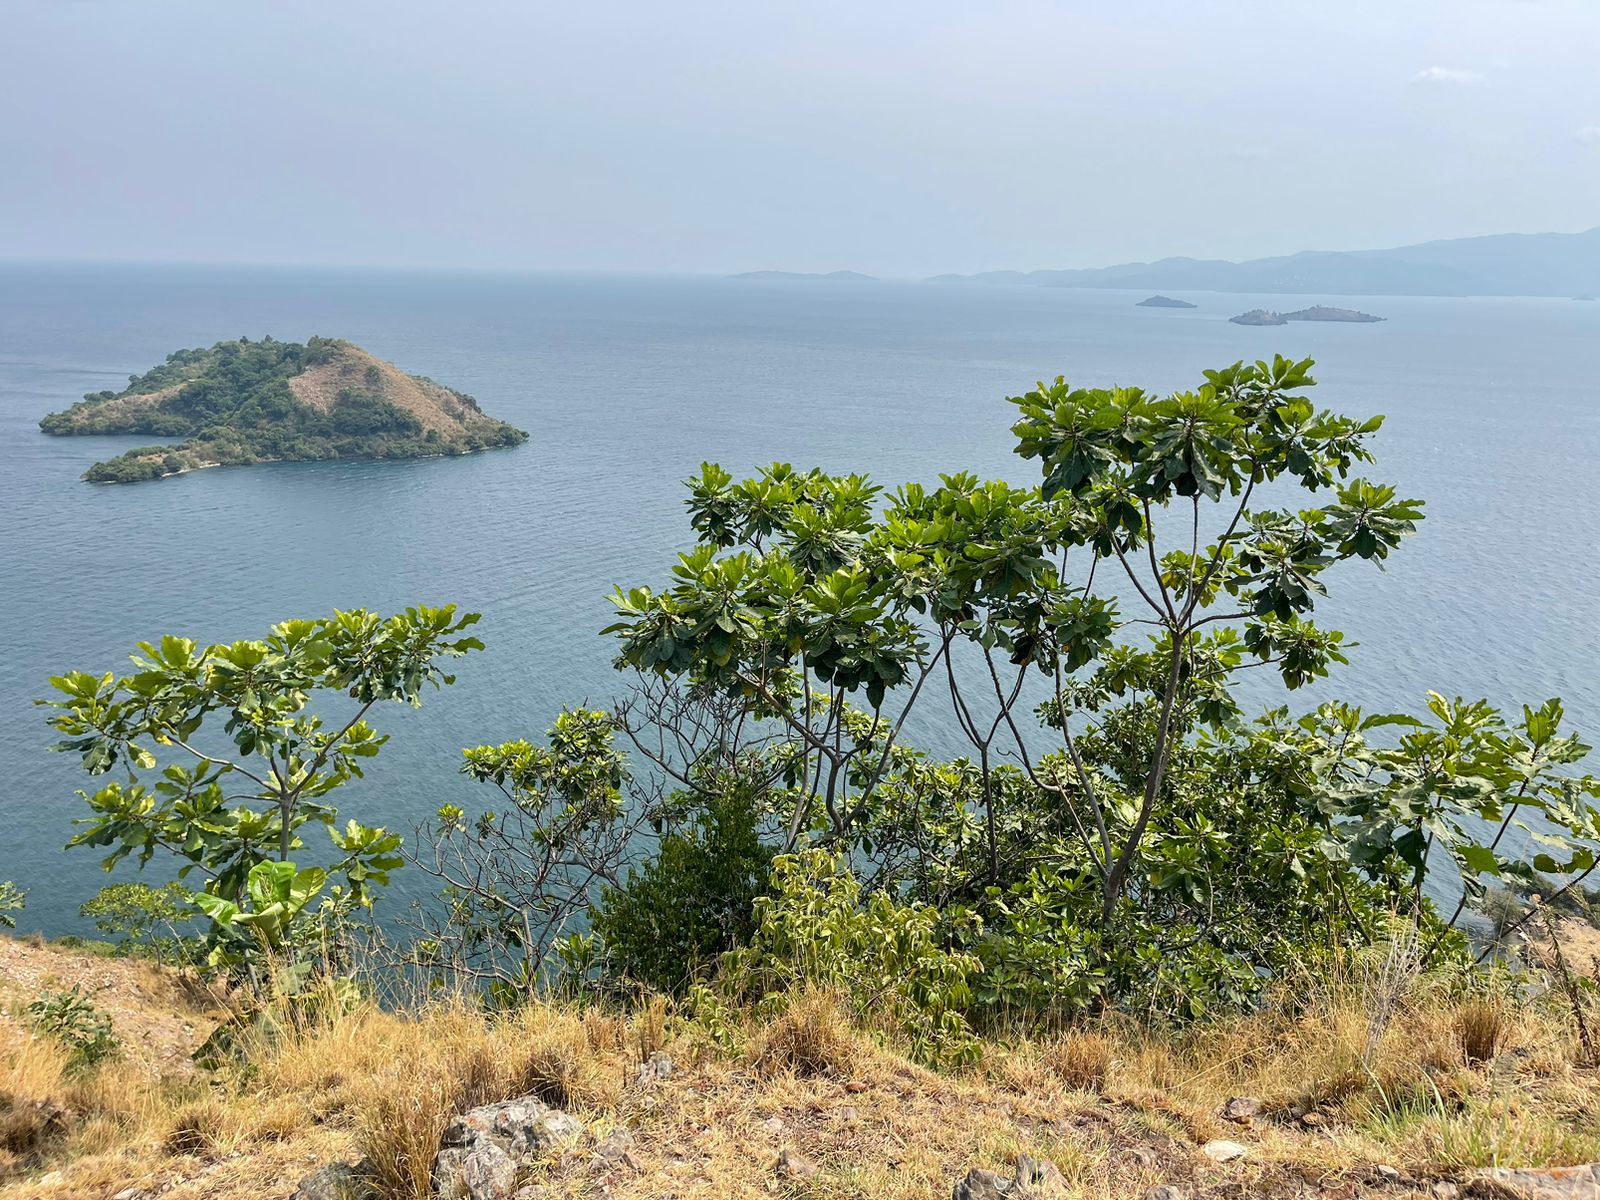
886	957
695	899
72	1020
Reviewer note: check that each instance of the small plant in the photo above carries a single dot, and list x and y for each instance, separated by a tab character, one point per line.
1480	1027
883	958
12	899
72	1020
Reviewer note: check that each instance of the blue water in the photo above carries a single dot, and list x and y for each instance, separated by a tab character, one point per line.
626	385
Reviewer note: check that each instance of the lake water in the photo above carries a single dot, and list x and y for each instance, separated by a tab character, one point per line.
626	385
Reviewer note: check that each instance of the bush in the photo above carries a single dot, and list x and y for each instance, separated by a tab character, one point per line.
690	903
885	957
72	1020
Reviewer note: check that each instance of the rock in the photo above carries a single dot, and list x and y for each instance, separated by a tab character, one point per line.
1223	1151
1241	1109
1313	1119
1388	1174
485	1150
533	1191
336	1181
794	1166
614	1151
979	1184
126	1193
1143	1156
1034	1175
657	1066
773	1125
848	1114
1443	1189
1537	1183
1167	1191
855	1087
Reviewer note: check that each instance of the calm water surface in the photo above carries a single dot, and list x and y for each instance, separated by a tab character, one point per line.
626	385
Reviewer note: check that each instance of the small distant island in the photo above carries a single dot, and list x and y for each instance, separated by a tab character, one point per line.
1164	302
1317	312
268	401
838	276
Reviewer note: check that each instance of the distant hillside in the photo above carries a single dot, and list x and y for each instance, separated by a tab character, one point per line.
1508	264
269	401
842	276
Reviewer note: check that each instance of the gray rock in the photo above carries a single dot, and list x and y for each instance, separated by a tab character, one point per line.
1167	1191
1443	1189
485	1152
1537	1183
1035	1175
1241	1109
336	1181
982	1185
1223	1151
1387	1173
614	1152
657	1066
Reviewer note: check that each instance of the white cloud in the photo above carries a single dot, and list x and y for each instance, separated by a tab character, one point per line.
1447	75
1589	134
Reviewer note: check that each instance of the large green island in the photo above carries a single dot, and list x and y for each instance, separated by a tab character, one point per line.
269	401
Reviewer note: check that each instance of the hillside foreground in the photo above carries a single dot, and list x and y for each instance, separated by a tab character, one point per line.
1375	1083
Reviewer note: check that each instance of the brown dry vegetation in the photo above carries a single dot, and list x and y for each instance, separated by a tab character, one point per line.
353	369
1396	1079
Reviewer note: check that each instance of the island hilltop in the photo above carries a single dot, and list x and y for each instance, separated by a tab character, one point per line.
1164	302
270	401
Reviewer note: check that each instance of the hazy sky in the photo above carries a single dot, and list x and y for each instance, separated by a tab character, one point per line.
889	137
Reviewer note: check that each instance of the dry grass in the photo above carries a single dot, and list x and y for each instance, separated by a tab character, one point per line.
1081	1059
1406	1073
811	1037
1480	1026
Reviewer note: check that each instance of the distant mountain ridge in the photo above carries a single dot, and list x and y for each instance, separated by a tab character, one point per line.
842	276
1505	264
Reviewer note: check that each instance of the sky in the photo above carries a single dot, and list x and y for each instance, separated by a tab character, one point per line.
896	138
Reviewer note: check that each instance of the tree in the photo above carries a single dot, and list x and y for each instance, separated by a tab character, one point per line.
142	919
250	760
1119	825
816	612
516	879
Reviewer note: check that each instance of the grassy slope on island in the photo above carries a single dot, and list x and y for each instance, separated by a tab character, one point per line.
270	401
